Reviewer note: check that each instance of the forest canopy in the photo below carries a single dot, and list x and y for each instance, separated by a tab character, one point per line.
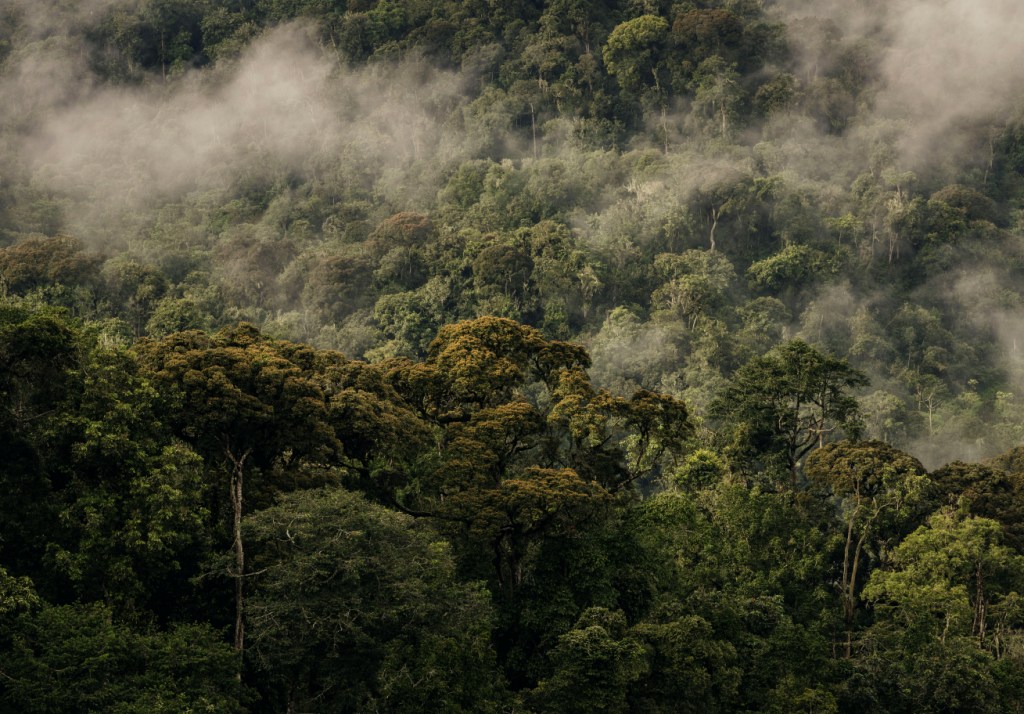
562	356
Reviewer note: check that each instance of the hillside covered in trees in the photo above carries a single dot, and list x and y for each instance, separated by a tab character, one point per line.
526	356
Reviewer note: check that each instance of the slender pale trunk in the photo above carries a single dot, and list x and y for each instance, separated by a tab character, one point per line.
237	474
715	214
664	126
664	109
847	605
533	127
851	561
851	596
236	504
980	605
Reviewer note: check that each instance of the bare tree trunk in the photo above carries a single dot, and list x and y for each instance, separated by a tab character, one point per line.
851	595
847	609
664	110
533	126
715	214
237	473
851	562
664	126
980	606
236	504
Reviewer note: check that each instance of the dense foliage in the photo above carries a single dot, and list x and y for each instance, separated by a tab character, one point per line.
421	355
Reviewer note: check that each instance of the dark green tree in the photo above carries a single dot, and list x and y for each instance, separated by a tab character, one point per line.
879	493
77	658
781	406
355	607
594	665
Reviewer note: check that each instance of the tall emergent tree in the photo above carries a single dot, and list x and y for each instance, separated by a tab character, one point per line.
247	404
525	444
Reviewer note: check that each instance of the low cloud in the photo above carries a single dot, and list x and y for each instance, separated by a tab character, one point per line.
283	105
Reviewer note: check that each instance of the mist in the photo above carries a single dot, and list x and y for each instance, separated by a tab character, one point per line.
281	107
946	70
951	64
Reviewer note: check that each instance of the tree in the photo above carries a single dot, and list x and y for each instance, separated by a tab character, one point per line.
594	665
984	490
776	95
741	580
634	55
402	230
781	406
563	278
41	261
952	572
338	284
706	33
726	194
133	291
526	446
102	502
697	282
689	668
176	315
77	658
354	607
17	595
582	18
718	93
38	348
932	642
503	269
131	507
878	490
245	402
409	320
973	205
632	52
791	268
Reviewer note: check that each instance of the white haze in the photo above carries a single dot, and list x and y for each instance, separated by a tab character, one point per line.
283	104
946	64
952	63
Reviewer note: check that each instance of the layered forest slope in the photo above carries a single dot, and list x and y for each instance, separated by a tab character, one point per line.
422	355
